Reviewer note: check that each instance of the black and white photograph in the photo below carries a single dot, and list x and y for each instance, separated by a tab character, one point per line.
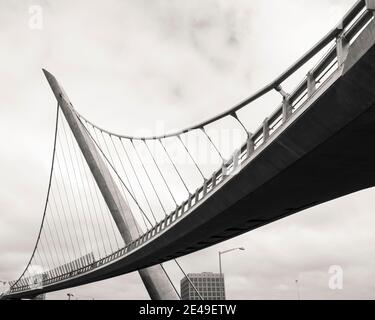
162	151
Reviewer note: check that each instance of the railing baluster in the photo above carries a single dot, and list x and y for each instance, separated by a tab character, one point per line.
250	145
311	84
287	109
342	48
204	188
224	171
236	159
266	130
214	180
196	196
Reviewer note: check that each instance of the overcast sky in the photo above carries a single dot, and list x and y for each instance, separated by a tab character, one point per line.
136	65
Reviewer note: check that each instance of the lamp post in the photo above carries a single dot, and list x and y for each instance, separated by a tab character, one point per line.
224	252
70	295
221	269
298	293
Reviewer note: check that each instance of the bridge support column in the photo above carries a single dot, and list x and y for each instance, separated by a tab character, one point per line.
154	278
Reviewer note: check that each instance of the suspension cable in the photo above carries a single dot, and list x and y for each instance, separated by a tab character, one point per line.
191	282
96	158
127	178
170	281
191	157
79	200
213	144
113	168
139	183
85	187
160	172
148	176
124	193
46	203
174	166
61	225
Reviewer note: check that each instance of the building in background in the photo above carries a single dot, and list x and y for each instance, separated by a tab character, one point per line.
209	285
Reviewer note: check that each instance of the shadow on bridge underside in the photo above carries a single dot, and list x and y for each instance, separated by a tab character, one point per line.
315	148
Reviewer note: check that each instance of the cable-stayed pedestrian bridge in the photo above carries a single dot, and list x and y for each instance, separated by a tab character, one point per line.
117	204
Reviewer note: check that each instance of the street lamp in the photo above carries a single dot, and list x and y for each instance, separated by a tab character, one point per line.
298	293
224	252
70	295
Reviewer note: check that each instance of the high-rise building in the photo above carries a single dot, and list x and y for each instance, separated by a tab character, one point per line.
210	286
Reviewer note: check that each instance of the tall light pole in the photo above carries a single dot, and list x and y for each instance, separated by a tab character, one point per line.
224	252
298	293
221	269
